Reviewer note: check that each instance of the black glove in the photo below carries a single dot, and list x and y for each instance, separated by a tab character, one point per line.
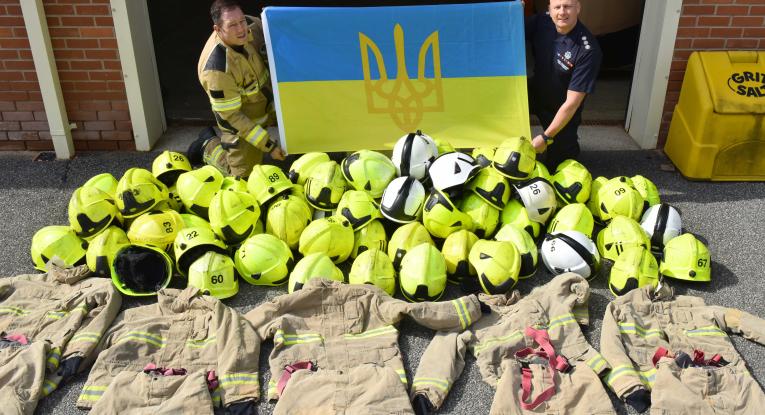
485	309
640	400
421	405
69	366
241	408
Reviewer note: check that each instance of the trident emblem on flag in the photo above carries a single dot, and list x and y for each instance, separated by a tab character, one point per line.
405	99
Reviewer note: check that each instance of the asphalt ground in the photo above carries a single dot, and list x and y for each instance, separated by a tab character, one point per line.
729	216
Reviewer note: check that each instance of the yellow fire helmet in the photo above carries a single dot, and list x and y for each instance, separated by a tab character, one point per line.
456	249
316	265
141	270
214	274
686	258
573	217
540	170
266	182
233	215
156	228
423	274
332	235
102	249
373	267
234	183
525	245
441	217
372	236
484	216
191	220
443	146
302	167
197	188
483	155
368	171
647	189
138	191
359	208
491	186
515	158
593	204
635	267
497	264
174	201
90	211
104	182
60	241
264	259
287	218
325	186
514	213
168	166
192	242
404	238
572	182
618	197
621	233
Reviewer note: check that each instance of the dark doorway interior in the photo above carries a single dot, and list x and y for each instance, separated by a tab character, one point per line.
180	29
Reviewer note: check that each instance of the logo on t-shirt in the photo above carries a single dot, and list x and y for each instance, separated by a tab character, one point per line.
748	84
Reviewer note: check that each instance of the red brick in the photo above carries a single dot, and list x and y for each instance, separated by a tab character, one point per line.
23	135
116	86
696	10
26	86
117	135
706	21
95	105
8	106
99	10
97	32
30	106
34	95
741	43
15	95
114	115
13	9
12	146
19	32
9	126
19	65
11	76
114	65
18	116
86	65
749	2
80	145
8	54
108	43
30	76
105	76
708	43
101	54
716	1
6	32
678	65
6	21
732	10
44	135
725	32
41	116
72	75
85	135
750	21
124	125
104	21
103	145
692	32
14	43
39	145
758	32
34	125
64	32
80	115
91	86
59	9
77	21
53	21
757	11
120	106
99	125
82	43
687	21
127	145
68	54
58	43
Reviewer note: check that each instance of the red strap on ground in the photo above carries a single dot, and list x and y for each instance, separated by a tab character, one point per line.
18	338
287	374
660	352
555	363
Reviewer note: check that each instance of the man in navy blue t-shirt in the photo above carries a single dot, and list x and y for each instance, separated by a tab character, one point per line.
566	62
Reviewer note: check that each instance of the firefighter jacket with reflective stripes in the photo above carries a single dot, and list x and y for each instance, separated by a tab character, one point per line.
559	306
238	85
636	324
339	326
183	330
65	307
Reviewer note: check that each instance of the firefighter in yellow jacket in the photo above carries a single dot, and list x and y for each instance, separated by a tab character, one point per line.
233	72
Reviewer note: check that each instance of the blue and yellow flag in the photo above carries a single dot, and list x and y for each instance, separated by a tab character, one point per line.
361	77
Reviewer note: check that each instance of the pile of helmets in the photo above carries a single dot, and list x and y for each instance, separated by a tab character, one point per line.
475	219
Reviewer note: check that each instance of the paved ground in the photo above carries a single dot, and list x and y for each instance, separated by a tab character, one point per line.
730	216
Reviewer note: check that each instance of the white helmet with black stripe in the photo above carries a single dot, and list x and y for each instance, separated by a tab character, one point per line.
452	170
402	200
413	155
570	251
662	222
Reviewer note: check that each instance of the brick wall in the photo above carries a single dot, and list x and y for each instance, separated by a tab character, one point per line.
85	48
711	25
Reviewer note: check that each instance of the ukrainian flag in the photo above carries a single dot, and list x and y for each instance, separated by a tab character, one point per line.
361	77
